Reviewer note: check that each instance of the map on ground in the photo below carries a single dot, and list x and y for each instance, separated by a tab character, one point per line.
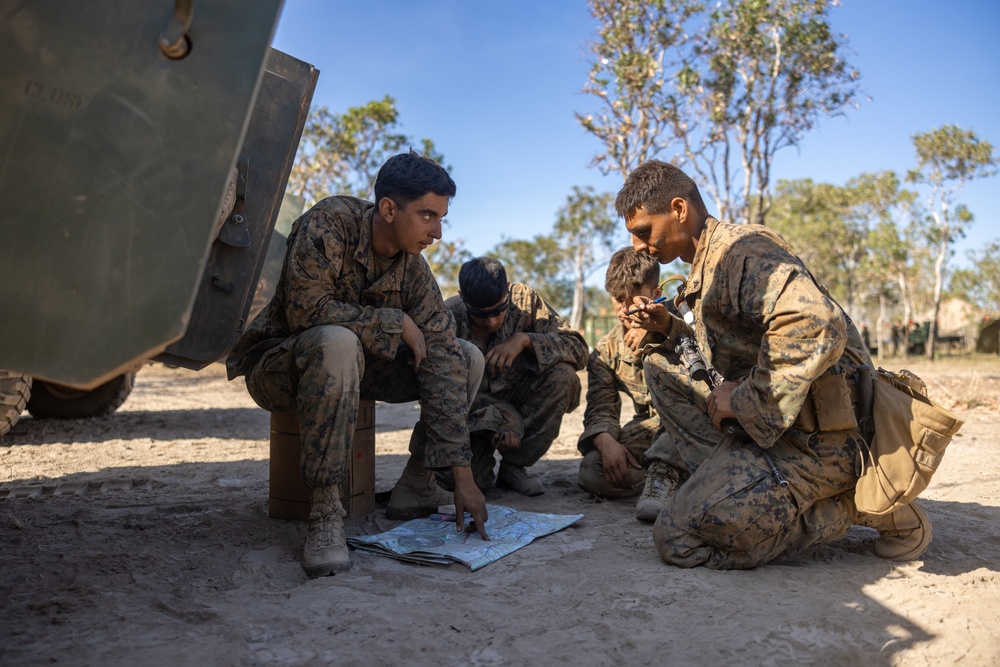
435	541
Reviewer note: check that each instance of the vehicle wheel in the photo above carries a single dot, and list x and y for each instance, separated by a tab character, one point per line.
15	389
55	401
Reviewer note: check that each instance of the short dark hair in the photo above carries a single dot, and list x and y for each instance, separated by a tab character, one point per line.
482	281
628	272
652	186
409	176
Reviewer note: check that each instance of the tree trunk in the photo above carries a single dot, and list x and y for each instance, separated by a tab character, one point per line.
850	289
880	329
576	315
938	280
905	343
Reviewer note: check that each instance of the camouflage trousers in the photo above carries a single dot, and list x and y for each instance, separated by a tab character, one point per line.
636	436
728	511
322	374
532	409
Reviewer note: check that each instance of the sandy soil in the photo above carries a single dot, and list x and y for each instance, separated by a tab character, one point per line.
142	539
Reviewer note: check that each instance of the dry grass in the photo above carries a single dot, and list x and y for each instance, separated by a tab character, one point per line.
960	382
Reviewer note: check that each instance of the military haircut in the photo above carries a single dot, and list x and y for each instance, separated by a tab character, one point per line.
628	272
652	186
409	176
482	282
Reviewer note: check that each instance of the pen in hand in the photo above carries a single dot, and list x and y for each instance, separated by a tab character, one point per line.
657	300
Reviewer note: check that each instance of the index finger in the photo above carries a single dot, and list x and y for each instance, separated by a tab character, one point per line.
479	518
459	515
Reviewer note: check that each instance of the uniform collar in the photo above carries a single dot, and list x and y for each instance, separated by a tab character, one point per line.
697	275
364	255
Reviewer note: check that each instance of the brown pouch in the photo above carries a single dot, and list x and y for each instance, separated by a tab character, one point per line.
911	434
806	419
831	400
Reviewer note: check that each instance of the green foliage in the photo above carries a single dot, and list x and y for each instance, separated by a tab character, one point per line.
557	264
445	259
949	153
588	231
835	228
536	263
808	216
642	58
721	89
587	218
980	284
947	157
342	153
598	302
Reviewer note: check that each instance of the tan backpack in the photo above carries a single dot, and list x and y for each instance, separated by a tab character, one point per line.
910	436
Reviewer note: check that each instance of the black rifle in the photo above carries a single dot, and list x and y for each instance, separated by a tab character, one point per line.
702	371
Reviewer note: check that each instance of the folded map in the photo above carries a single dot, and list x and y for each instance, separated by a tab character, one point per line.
435	541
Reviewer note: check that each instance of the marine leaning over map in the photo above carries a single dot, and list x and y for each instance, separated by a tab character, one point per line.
358	314
532	357
761	320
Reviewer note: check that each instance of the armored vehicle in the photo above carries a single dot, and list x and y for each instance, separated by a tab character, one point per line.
144	149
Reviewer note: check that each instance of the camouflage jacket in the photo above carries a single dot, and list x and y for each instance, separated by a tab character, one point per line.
326	280
762	321
612	368
552	339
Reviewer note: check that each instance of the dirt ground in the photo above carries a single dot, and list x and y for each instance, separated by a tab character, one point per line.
142	539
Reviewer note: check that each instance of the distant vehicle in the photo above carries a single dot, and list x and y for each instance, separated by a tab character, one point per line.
146	148
920	333
916	339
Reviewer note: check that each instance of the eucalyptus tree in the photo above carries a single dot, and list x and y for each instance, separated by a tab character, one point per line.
980	283
848	237
536	262
645	52
809	217
445	258
341	153
871	199
717	89
893	270
948	157
588	231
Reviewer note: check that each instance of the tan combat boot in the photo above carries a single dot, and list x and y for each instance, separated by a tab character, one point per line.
516	478
658	488
903	535
326	543
416	494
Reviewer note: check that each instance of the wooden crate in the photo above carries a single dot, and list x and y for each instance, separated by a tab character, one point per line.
289	497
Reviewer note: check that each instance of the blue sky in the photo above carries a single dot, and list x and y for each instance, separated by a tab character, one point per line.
495	83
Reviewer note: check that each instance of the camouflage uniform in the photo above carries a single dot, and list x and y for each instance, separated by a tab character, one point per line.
332	335
762	321
614	368
541	386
